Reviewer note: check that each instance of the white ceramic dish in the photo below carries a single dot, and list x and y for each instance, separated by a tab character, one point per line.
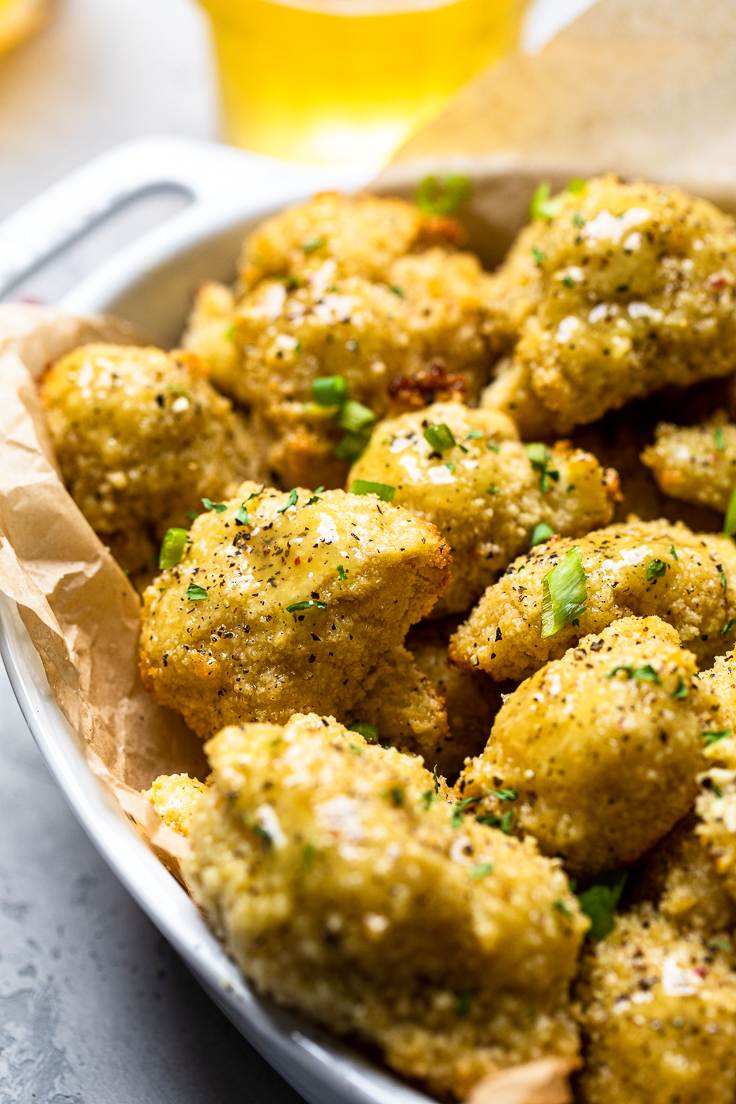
150	283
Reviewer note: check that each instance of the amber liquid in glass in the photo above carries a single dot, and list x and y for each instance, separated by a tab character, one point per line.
345	81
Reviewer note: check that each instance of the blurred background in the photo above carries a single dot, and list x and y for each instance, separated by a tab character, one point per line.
95	1008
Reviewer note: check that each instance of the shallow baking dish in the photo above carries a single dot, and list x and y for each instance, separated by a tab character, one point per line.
149	283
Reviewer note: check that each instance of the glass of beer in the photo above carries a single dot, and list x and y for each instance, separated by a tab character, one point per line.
345	81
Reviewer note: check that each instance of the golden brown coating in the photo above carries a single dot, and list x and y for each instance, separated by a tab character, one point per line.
680	879
174	797
356	235
695	463
483	489
624	289
471	699
346	885
658	1013
140	437
210	331
406	709
283	602
638	568
596	755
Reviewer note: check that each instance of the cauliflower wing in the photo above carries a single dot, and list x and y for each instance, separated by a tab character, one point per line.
695	463
140	437
466	471
622	290
658	1014
286	601
174	797
354	235
639	568
596	755
346	885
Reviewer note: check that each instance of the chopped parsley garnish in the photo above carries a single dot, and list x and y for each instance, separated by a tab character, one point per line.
397	796
560	906
314	244
473	435
718	437
428	798
369	732
599	903
578	220
462	1005
291	501
172	548
539	255
443	196
493	489
568	281
264	836
728	626
639	674
541	533
329	390
315	496
492	446
481	871
564	593
439	437
729	523
364	486
539	458
352	446
196	593
399	292
354	416
308	603
460	809
714	735
341	573
673	552
217	507
681	690
542	206
242	517
655	570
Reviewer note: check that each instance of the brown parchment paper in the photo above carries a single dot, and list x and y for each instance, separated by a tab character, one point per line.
642	89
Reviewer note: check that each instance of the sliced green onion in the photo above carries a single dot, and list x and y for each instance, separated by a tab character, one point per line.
438	196
439	437
539	255
217	507
329	390
577	185
539	458
681	690
341	573
354	417
308	603
196	593
564	593
541	533
315	496
505	821
729	524
718	437
172	548
541	206
242	517
351	446
364	486
714	735
481	871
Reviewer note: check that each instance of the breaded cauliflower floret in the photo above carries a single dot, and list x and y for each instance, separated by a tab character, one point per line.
283	602
623	290
465	470
471	699
174	797
346	885
680	879
695	463
357	235
140	437
638	568
658	1013
596	755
